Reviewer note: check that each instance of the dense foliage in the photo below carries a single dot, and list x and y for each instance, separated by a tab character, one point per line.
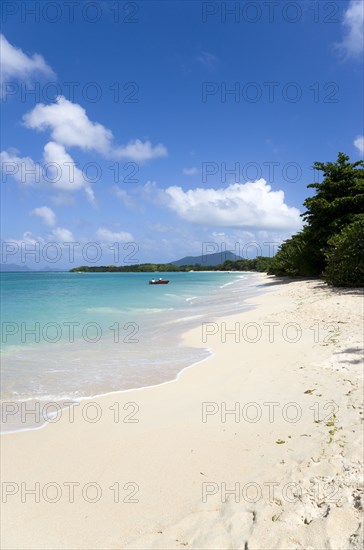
260	263
345	256
294	257
338	202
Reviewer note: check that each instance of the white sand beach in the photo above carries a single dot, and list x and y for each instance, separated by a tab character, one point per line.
170	467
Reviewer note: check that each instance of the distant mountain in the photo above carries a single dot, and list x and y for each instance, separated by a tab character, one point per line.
14	267
17	268
208	259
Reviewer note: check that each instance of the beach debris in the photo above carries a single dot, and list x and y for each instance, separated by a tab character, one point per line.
309	391
358	501
327	511
280	441
307	521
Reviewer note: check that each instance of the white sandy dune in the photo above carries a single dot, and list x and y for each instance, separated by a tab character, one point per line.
258	447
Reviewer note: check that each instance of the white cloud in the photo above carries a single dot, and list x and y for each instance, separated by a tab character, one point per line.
123	196
28	238
353	22
154	194
90	195
23	169
112	237
162	228
58	170
248	205
16	64
62	234
58	234
139	151
359	144
70	126
190	171
61	169
46	214
247	243
63	199
208	60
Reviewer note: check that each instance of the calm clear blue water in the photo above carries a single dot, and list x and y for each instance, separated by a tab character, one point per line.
72	336
99	297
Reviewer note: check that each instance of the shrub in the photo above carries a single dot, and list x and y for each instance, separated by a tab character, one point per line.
345	256
294	257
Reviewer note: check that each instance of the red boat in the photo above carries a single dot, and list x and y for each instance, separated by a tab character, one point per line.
159	282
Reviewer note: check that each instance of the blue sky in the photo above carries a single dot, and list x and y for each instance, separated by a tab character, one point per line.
170	125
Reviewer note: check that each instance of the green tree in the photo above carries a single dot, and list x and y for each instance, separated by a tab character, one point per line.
345	256
262	263
338	201
294	257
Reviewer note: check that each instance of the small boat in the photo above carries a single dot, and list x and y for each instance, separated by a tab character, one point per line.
159	282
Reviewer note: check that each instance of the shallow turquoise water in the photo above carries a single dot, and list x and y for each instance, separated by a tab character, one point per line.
69	336
28	298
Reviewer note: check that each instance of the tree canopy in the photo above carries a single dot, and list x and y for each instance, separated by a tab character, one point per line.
261	263
337	203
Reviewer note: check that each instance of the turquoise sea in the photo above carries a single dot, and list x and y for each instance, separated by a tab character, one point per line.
71	336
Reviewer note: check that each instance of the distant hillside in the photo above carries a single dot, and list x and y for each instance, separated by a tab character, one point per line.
17	268
14	267
208	259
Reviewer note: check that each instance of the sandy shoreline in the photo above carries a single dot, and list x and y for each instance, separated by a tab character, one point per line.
170	467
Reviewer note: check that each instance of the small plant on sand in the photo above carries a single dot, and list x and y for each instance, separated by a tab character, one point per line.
332	424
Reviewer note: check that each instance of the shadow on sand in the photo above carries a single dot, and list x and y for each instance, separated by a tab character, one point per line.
342	291
275	280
